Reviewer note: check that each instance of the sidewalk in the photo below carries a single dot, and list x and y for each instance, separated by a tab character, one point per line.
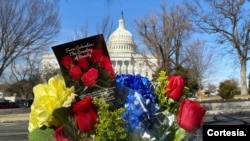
235	111
8	118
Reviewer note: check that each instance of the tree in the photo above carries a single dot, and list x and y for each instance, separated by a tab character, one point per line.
212	88
163	34
105	27
248	83
201	60
25	74
26	26
48	70
228	89
230	21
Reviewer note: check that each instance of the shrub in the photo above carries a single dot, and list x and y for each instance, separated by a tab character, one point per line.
228	89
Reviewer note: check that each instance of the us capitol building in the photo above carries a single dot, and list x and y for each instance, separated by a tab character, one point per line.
122	51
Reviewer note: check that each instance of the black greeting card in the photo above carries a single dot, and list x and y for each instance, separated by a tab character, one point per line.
86	65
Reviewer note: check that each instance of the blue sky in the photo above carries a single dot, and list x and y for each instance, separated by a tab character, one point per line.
75	13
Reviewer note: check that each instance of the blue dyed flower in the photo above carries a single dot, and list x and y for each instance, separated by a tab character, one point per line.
140	101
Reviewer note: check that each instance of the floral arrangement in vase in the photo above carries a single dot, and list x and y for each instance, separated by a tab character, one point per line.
89	102
148	112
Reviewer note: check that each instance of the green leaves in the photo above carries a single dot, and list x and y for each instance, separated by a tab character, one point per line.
111	125
62	115
160	89
180	134
68	122
41	134
167	131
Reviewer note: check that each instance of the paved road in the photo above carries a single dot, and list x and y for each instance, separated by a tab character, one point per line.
242	118
17	131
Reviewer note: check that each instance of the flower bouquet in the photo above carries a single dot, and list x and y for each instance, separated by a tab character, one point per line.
149	111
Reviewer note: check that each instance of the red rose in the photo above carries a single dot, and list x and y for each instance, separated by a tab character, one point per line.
58	134
85	113
75	73
67	61
107	65
175	87
191	115
83	63
89	77
97	55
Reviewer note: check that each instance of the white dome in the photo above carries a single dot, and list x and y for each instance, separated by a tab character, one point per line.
121	40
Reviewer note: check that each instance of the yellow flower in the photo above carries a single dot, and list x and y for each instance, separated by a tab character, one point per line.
47	98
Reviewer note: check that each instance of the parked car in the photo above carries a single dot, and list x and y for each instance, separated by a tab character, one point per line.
24	103
5	104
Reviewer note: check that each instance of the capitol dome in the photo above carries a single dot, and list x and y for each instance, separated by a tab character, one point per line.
122	52
121	40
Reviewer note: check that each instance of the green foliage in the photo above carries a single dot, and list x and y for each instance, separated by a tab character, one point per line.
190	76
64	117
111	125
160	89
170	107
180	134
228	89
176	133
168	129
135	137
41	134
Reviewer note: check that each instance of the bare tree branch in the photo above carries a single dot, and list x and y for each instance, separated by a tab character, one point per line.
25	27
229	20
202	60
105	26
163	33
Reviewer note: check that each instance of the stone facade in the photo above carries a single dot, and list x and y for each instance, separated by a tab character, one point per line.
125	59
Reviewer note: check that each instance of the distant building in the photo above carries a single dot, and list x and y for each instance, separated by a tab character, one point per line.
7	96
48	64
122	51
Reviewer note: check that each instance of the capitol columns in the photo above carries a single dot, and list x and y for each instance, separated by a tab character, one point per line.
132	63
130	67
123	66
116	66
